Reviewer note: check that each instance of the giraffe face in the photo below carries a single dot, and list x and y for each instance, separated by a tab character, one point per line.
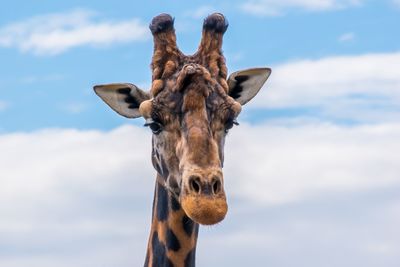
190	108
190	118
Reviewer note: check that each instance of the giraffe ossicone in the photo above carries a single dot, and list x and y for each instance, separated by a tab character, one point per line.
190	108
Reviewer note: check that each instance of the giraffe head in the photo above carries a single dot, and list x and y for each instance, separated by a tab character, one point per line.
190	109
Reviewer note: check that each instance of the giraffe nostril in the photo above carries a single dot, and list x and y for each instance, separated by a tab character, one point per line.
195	184
216	186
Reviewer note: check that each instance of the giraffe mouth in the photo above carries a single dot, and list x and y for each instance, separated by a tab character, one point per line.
204	209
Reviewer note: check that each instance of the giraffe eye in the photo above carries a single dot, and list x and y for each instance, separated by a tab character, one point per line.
155	127
229	124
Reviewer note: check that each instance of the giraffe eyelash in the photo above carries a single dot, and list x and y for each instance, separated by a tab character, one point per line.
229	124
155	126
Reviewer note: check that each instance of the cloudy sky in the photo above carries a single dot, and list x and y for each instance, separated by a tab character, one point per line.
312	173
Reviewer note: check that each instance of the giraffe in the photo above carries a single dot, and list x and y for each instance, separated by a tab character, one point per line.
190	108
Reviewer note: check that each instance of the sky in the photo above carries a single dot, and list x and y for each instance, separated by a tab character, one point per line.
312	173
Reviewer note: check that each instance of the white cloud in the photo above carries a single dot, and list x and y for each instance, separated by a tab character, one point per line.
84	159
363	88
346	37
66	192
56	33
279	7
63	192
292	163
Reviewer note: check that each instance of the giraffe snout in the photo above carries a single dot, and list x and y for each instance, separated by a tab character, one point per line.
203	198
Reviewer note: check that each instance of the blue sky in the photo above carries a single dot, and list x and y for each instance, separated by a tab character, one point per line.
41	87
312	172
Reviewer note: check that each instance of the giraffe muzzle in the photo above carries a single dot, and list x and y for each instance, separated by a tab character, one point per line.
204	201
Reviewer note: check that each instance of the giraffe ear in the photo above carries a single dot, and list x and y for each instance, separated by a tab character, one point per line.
124	98
245	84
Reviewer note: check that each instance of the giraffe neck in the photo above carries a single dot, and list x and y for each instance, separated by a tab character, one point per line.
173	235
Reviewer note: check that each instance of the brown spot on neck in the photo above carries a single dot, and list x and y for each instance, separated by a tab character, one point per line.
173	239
